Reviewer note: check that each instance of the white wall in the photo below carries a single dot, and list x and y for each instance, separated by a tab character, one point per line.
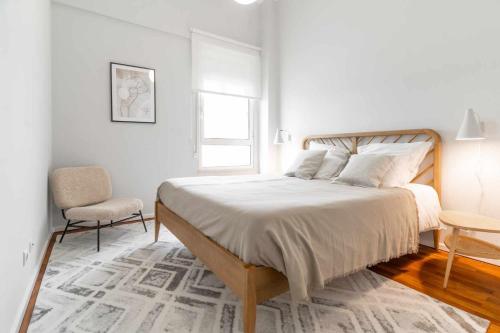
223	17
269	111
87	35
24	149
381	65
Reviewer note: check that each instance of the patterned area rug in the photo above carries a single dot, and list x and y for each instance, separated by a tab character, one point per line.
134	285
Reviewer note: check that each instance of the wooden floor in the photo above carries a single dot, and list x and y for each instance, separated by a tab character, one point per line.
474	286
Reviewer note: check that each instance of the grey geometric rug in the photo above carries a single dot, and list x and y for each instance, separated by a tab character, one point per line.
135	285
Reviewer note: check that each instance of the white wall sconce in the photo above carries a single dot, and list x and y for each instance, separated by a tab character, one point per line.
471	127
282	137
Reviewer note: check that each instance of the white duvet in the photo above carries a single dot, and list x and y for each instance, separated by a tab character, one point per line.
310	230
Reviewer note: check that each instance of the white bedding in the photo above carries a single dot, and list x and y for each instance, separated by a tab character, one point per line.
310	230
428	206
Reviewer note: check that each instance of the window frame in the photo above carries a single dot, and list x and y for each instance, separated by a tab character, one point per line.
252	141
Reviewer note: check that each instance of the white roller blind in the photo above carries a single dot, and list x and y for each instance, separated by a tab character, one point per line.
225	67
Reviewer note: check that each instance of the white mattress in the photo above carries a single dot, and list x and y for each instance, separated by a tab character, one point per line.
428	206
310	230
426	197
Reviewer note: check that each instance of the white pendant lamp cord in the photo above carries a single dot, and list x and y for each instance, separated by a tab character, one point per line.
479	167
471	130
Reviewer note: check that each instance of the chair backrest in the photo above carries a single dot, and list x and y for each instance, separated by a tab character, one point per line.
80	186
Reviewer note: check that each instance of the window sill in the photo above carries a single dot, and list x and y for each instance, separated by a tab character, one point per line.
227	171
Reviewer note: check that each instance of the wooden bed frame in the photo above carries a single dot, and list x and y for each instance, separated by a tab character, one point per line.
255	284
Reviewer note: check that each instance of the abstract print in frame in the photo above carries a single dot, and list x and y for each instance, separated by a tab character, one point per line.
133	97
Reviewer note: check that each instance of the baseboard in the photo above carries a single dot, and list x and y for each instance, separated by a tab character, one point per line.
61	227
29	289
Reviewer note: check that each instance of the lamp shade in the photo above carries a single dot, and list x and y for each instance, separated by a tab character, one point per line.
471	127
281	137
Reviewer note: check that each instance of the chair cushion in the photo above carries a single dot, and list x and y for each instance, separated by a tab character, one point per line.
112	209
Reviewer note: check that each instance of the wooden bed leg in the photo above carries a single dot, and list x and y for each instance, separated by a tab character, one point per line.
437	237
249	302
157	223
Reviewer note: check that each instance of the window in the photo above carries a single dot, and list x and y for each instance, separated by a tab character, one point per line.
226	132
226	80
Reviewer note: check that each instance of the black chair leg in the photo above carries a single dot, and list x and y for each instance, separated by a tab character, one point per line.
111	223
65	229
98	229
143	223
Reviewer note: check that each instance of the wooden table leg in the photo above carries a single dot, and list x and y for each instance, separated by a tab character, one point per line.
451	255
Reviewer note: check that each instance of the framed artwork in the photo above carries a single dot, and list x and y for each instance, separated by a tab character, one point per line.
133	97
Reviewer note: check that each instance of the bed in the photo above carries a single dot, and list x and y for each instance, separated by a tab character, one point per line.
265	235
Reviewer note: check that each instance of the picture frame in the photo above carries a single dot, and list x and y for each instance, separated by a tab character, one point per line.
133	94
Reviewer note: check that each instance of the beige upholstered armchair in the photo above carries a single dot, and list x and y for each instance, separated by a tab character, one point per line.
84	195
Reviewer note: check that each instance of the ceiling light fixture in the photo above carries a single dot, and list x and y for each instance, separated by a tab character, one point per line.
245	2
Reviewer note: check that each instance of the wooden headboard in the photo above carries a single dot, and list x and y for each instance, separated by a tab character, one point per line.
430	170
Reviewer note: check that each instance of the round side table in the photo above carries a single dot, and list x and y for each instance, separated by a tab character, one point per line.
466	245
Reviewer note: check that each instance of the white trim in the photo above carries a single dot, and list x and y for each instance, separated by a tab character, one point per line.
252	141
29	290
194	123
223	94
223	171
254	107
225	39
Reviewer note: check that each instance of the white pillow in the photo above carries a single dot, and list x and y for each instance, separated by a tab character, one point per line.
408	157
365	170
306	164
332	164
